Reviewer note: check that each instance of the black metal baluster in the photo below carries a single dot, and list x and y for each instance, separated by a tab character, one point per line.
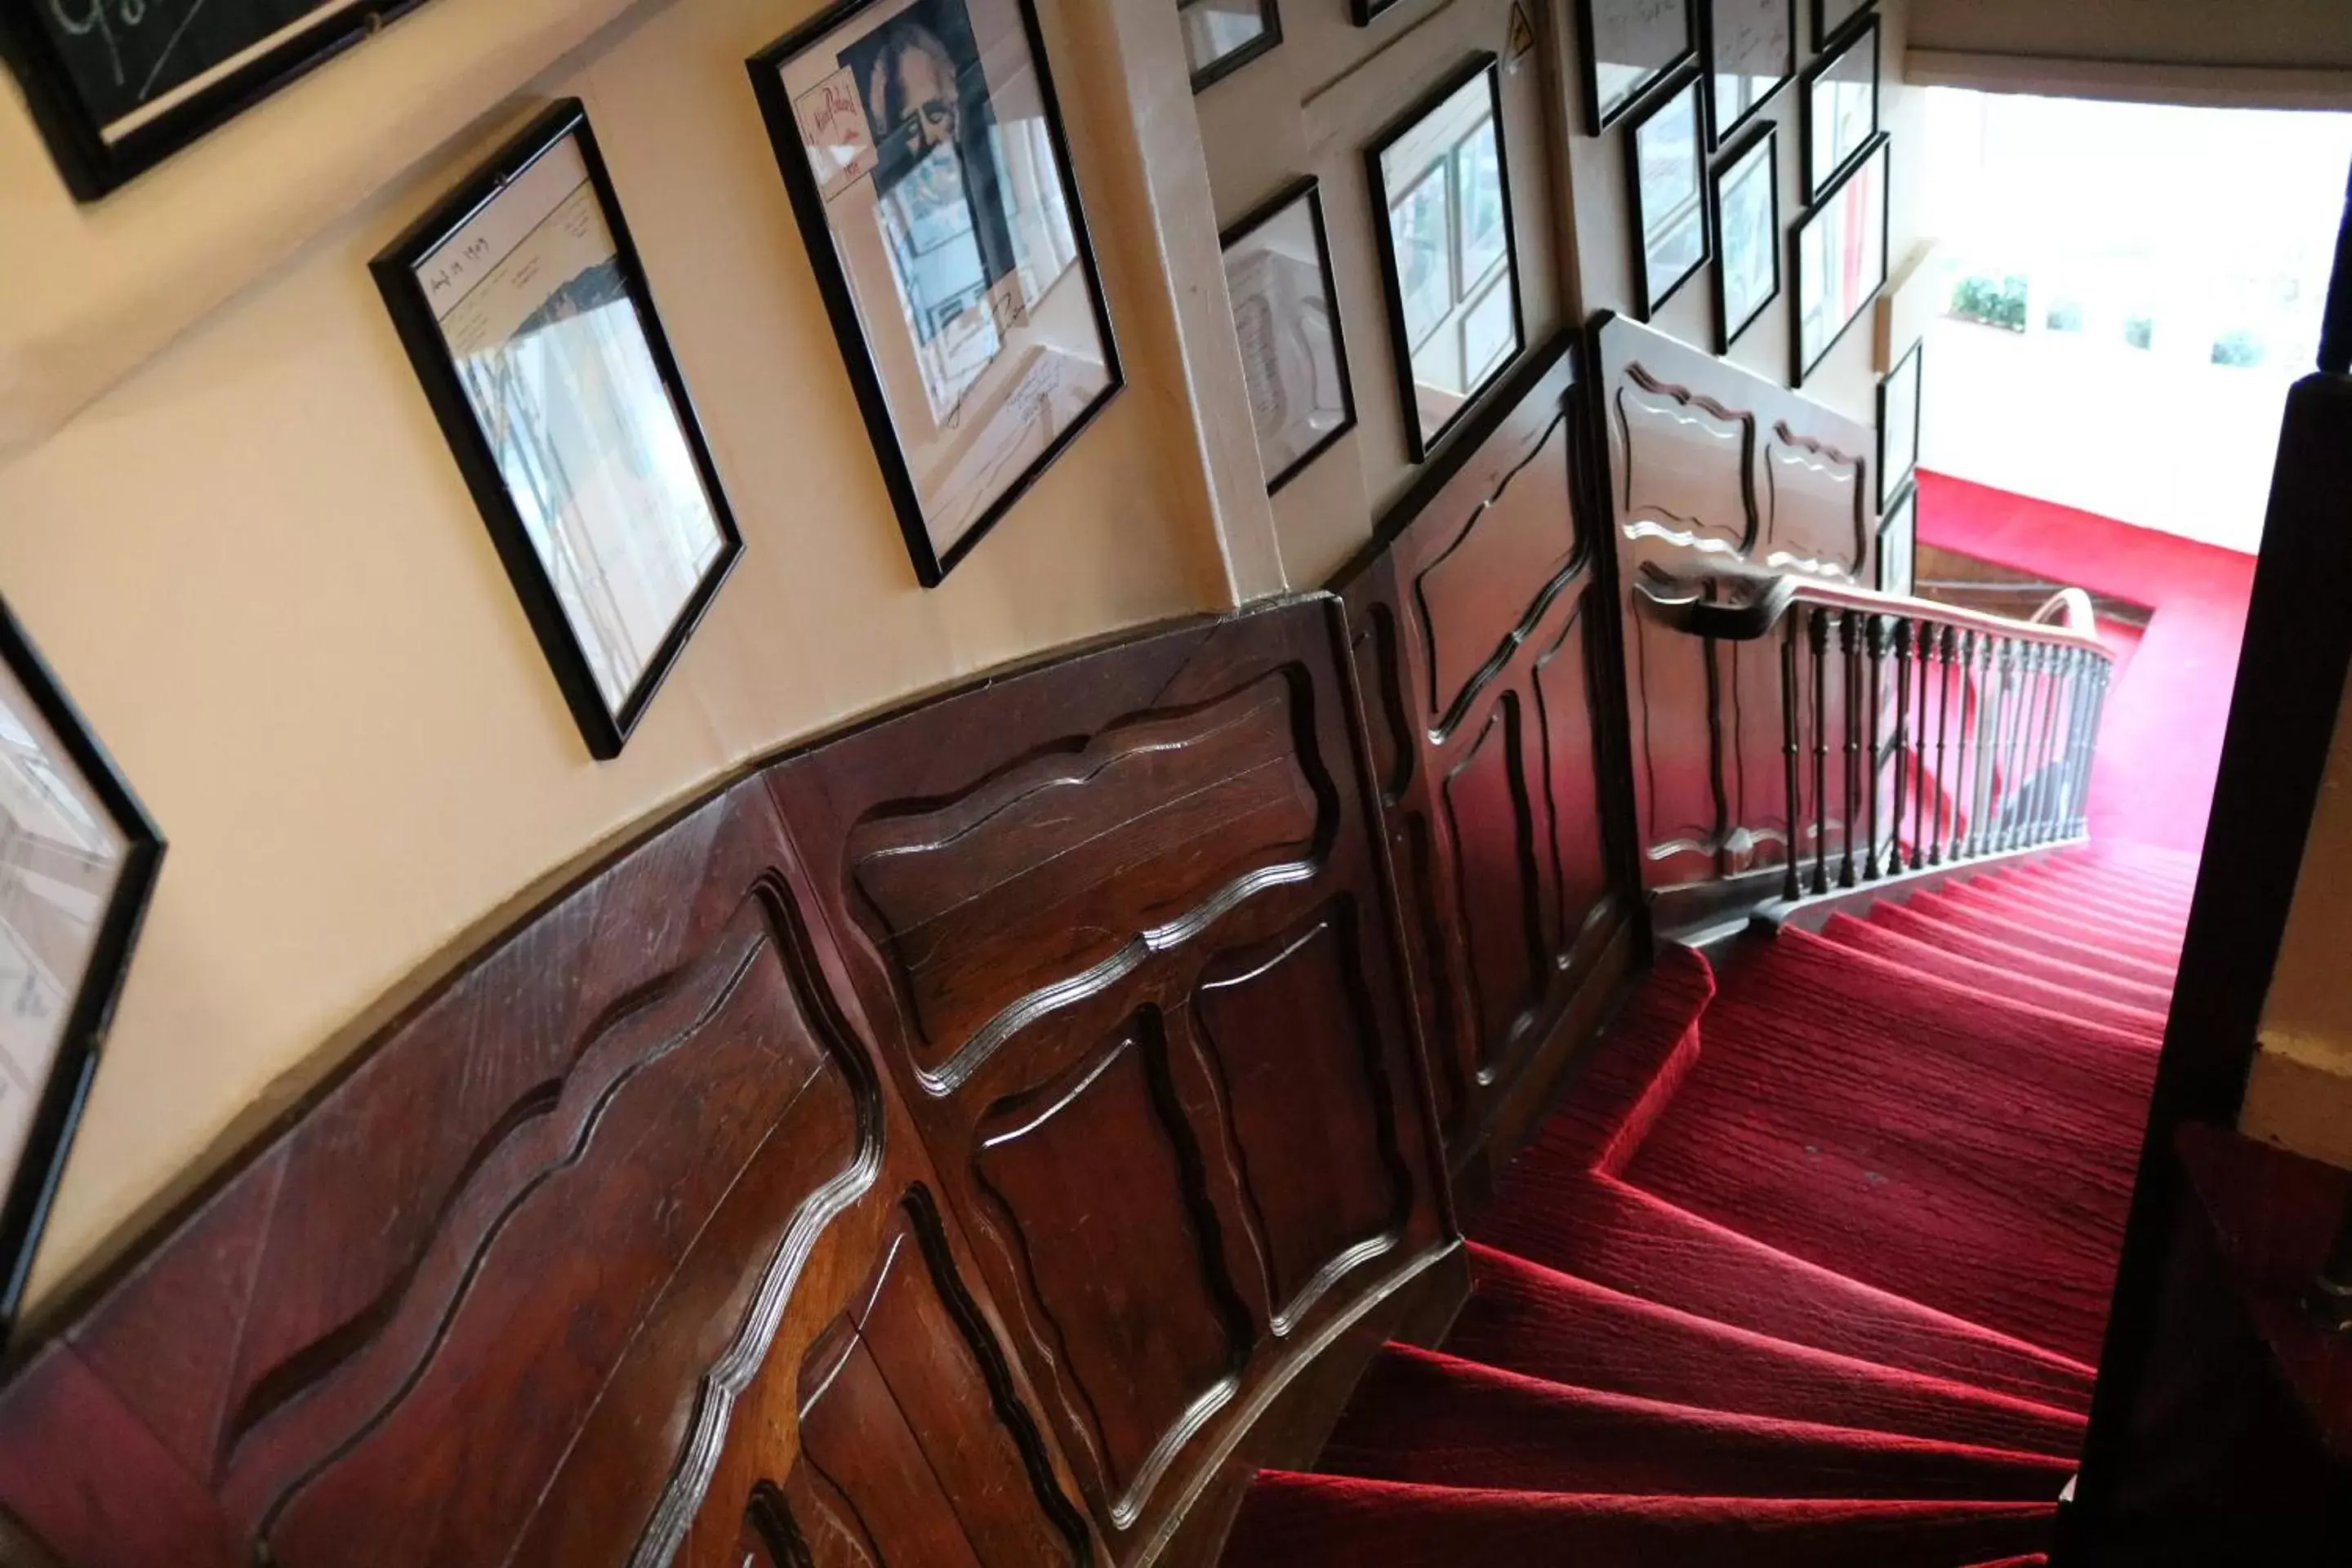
1875	626
1819	639
1996	697
2054	766
1964	754
1901	758
2102	673
2021	787
1852	625
2020	727
2078	788
1919	784
1945	643
1791	750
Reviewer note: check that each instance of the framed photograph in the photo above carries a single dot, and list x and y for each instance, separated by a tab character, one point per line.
1285	314
1441	208
1840	109
1748	235
118	86
923	150
1223	35
78	860
524	308
1830	16
1666	165
1898	425
1840	258
1751	54
1630	46
1898	532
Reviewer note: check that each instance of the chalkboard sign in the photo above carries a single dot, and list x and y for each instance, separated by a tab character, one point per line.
117	86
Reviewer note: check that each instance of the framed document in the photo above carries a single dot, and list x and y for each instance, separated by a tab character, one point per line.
1840	258
1751	52
1898	532
524	309
1666	166
1830	16
925	156
1449	265
1286	315
1630	46
1841	109
1748	235
78	860
1223	35
118	86
1898	425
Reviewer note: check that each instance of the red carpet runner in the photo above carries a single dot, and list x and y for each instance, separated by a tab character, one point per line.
1810	1269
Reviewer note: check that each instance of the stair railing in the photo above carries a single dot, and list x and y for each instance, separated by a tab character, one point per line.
1962	735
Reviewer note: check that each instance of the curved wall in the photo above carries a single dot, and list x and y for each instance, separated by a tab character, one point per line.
254	564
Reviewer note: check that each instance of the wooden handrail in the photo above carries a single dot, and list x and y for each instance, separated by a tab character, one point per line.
1743	606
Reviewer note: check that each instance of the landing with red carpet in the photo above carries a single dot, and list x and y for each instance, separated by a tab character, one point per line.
2161	739
1811	1268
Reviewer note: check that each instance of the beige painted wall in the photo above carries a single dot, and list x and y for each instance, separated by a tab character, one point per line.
2300	1095
255	566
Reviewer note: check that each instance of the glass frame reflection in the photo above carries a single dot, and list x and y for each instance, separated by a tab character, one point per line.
1439	285
525	310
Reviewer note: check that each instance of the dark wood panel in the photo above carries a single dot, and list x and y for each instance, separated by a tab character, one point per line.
507	1290
1496	786
1712	468
1146	866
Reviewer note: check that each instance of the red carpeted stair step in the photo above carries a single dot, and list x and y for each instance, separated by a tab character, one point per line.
1631	1072
1624	1240
2067	904
1540	1323
1288	1519
2134	993
2089	882
2040	907
1976	1157
1437	1420
1932	963
1944	911
2164	952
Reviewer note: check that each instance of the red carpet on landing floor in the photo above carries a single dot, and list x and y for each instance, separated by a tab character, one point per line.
2161	740
1809	1270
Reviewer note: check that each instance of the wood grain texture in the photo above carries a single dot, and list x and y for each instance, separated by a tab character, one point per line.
1481	641
1711	468
1124	933
510	1290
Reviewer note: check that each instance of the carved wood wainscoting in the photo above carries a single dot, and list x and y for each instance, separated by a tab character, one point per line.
1711	468
1124	931
1482	642
626	1245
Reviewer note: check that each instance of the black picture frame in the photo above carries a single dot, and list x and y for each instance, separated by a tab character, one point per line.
1899	527
809	206
1906	379
604	728
1832	17
1765	140
1649	297
1722	132
1228	63
1419	444
1589	28
1306	189
1818	180
58	1099
1877	157
92	167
